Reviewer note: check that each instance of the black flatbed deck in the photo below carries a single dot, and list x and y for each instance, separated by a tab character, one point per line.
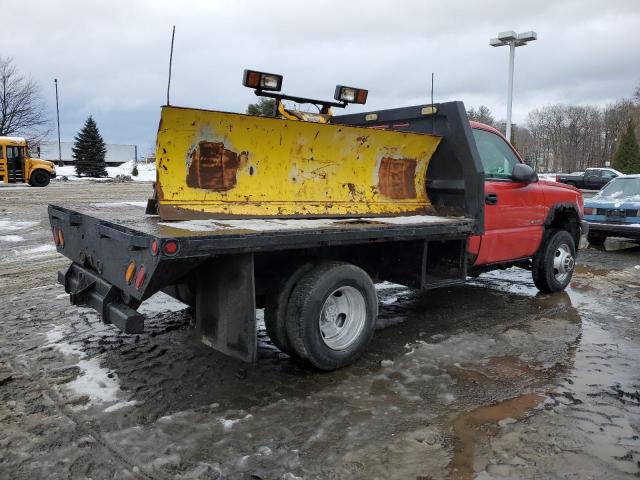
246	235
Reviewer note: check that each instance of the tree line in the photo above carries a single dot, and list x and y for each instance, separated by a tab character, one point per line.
568	138
554	138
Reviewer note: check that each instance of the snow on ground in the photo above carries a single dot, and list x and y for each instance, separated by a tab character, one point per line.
159	303
99	384
11	238
146	172
12	225
551	177
39	251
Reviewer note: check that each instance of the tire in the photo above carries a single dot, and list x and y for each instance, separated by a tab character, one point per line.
554	263
39	178
275	312
331	315
596	239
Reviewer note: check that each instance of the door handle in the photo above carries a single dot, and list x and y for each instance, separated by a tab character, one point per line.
491	199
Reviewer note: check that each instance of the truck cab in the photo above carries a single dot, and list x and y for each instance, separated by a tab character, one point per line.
527	221
17	166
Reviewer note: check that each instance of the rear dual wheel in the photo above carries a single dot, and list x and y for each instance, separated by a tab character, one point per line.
329	317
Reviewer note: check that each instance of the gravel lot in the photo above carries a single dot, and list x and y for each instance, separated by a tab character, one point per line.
486	380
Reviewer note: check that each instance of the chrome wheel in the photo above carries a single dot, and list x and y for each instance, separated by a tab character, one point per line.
563	262
342	317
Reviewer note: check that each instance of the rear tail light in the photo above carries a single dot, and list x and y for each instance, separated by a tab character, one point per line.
54	233
170	247
154	248
60	238
131	269
140	277
589	211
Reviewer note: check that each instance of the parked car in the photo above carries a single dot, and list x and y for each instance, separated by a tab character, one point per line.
614	210
590	179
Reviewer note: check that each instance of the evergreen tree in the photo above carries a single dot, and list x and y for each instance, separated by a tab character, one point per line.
134	170
627	156
89	151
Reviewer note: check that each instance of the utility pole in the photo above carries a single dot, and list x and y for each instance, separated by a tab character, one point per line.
55	80
513	40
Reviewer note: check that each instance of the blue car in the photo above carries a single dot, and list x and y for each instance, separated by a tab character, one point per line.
615	210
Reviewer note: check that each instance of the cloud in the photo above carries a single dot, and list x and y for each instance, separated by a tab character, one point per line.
111	57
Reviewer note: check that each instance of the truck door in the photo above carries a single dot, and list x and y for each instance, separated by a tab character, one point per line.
593	179
514	211
15	164
607	176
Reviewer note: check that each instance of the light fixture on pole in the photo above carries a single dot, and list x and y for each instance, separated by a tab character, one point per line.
55	80
514	40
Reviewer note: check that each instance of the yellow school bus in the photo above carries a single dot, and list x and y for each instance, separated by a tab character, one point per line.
16	166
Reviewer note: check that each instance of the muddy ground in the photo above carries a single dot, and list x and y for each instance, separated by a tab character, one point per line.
486	380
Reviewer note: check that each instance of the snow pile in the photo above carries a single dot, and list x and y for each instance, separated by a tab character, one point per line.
146	172
549	177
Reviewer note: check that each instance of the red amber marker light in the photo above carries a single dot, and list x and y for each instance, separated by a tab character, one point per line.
154	248
140	277
170	247
131	269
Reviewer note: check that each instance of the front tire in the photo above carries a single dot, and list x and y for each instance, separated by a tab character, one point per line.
39	178
554	263
331	315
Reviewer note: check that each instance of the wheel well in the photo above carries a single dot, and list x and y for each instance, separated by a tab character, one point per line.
565	217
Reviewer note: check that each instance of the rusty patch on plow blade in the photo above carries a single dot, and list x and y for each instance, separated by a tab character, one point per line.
213	167
397	177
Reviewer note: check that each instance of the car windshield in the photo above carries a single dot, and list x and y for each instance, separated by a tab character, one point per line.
621	188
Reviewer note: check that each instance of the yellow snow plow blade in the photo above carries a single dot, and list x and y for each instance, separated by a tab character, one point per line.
216	165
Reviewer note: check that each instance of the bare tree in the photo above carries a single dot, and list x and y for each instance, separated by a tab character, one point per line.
22	110
482	114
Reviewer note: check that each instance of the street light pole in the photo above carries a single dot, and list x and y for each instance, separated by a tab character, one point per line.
514	40
55	80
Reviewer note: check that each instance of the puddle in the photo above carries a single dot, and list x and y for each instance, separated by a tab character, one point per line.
468	429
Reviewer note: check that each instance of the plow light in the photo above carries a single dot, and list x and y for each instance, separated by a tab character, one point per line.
350	94
262	80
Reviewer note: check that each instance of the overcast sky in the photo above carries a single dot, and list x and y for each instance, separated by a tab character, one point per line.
111	57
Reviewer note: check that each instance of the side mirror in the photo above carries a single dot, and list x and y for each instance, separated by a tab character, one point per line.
523	173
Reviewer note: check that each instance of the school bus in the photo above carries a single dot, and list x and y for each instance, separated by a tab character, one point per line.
16	166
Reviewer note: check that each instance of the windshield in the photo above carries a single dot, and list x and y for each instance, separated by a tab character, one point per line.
621	188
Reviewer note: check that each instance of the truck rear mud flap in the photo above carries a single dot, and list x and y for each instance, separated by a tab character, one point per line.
86	288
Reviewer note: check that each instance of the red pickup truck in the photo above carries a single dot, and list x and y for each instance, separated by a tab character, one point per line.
538	221
315	276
